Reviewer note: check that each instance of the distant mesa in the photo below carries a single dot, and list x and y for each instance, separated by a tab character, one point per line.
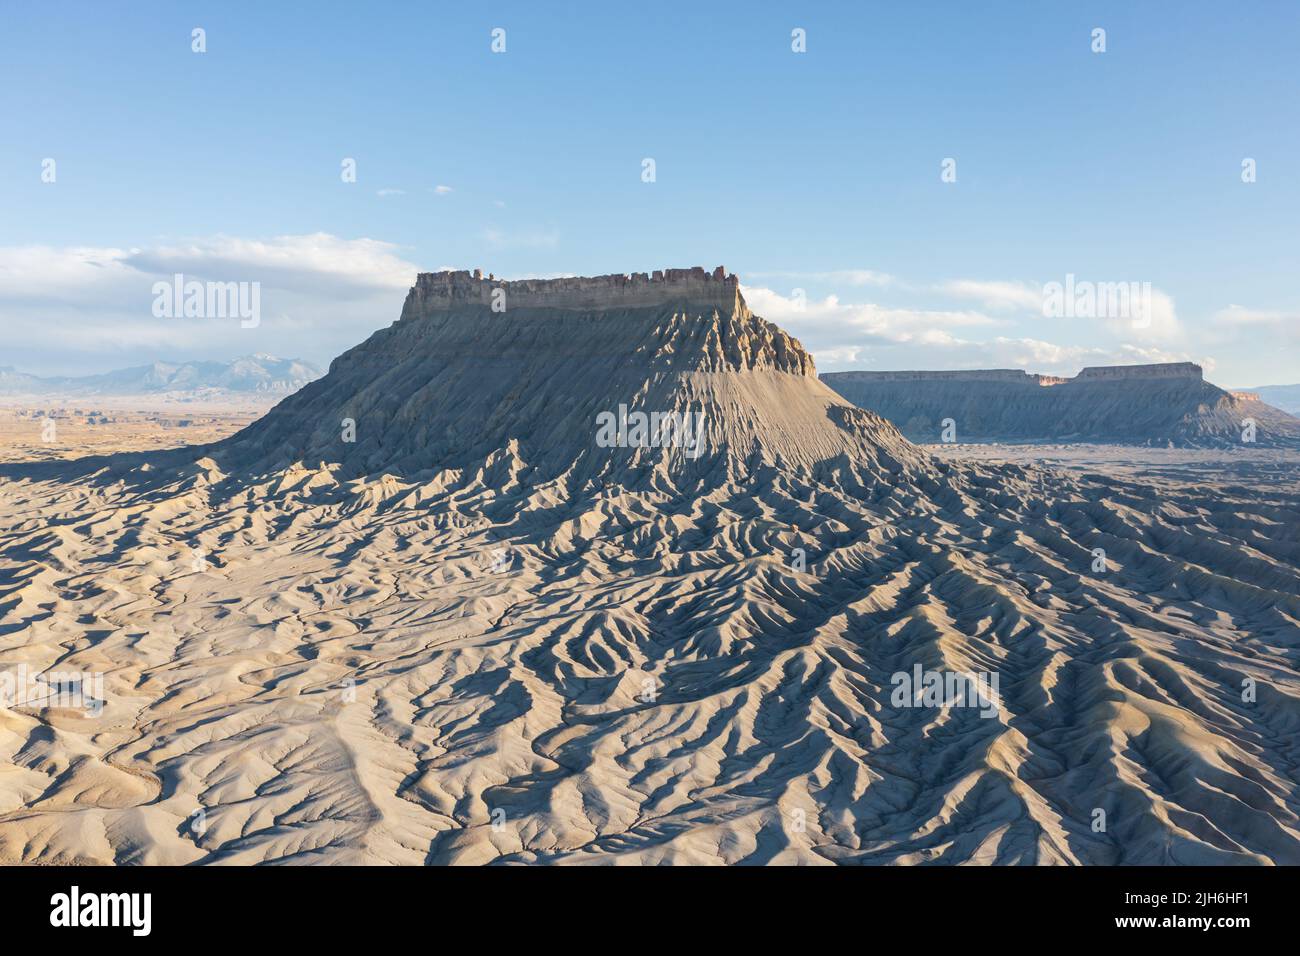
1178	370
1152	405
1181	370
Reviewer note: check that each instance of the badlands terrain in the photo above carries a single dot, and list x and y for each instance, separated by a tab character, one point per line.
423	612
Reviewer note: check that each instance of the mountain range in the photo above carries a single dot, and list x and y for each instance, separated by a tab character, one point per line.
251	374
1285	397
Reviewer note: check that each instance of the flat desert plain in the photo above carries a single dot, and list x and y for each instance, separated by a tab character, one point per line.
106	426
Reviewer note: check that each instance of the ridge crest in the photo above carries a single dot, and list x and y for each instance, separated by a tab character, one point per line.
447	290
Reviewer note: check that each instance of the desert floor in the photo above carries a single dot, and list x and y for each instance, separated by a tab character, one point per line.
104	426
307	670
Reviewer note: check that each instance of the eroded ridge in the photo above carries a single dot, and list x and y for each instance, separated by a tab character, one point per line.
475	670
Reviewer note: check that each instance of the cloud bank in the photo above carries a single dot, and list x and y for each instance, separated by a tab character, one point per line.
75	308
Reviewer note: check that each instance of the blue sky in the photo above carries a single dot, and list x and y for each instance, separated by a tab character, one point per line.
817	171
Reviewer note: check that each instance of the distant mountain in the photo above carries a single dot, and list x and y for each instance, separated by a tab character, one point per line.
14	382
1164	404
252	374
1285	397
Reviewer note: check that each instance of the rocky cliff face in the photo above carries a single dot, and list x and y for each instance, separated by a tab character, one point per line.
675	318
467	377
1137	404
1164	370
445	291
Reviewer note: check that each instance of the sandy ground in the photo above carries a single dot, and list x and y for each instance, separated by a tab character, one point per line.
106	426
385	673
478	636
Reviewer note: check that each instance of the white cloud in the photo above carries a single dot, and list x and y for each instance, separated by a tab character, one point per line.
880	322
1036	355
442	190
997	294
1160	325
1149	318
300	263
837	355
843	335
69	274
320	294
853	277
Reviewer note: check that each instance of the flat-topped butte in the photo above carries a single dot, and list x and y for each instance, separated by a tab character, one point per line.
1180	370
442	291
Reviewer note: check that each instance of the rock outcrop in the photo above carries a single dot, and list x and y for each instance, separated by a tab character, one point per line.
445	291
478	368
1167	404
